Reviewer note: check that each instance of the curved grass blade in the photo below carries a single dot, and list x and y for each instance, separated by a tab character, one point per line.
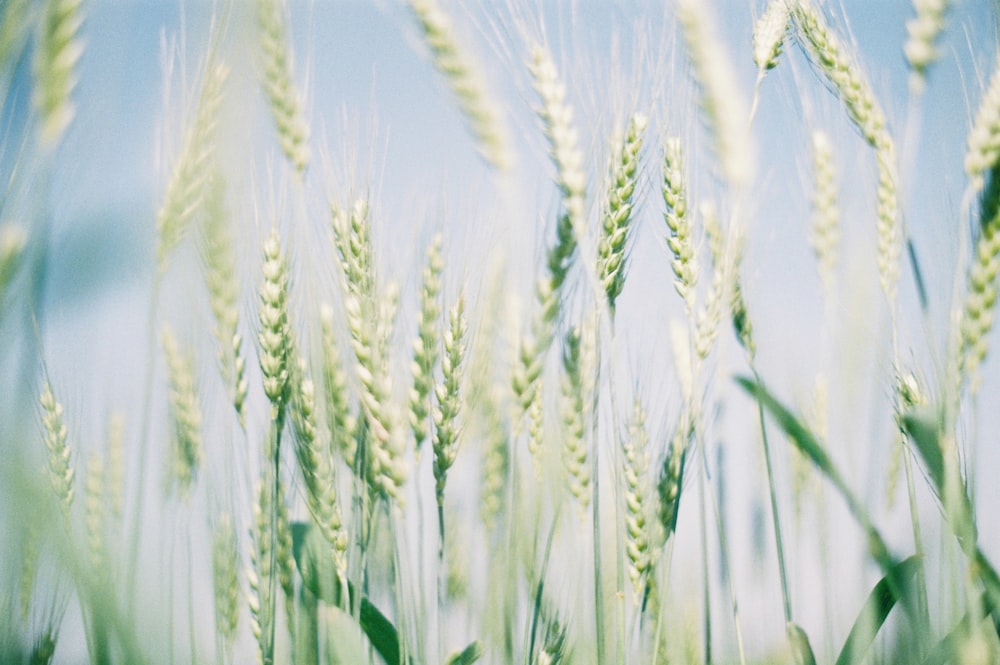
873	613
809	446
320	577
466	656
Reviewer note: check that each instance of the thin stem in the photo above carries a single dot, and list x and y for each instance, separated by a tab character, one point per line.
778	541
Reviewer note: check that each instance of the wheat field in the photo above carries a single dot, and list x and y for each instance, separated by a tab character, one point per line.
435	331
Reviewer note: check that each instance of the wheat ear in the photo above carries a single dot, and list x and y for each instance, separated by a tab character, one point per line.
341	421
282	95
275	335
185	413
922	31
824	233
316	468
680	241
983	149
192	168
226	579
60	463
219	263
982	288
56	58
447	428
721	100
425	346
855	92
617	220
462	78
579	365
557	122
637	498
769	35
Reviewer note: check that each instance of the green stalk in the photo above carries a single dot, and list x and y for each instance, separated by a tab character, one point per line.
598	577
706	590
778	541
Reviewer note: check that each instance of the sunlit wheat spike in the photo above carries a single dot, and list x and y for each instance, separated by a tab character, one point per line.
226	578
60	463
710	315
722	101
845	76
889	228
221	278
56	58
825	230
622	177
579	359
341	420
769	34
94	514
116	464
983	149
185	413
558	124
465	83
680	241
841	70
447	425
922	32
981	288
352	240
637	498
495	461
425	346
275	335
192	169
282	95
671	479
316	467
260	572
386	471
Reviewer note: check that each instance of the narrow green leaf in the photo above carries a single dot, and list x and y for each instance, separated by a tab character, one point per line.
881	600
802	652
319	575
809	446
466	656
924	431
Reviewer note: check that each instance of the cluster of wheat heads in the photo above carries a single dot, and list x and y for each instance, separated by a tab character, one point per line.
540	436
